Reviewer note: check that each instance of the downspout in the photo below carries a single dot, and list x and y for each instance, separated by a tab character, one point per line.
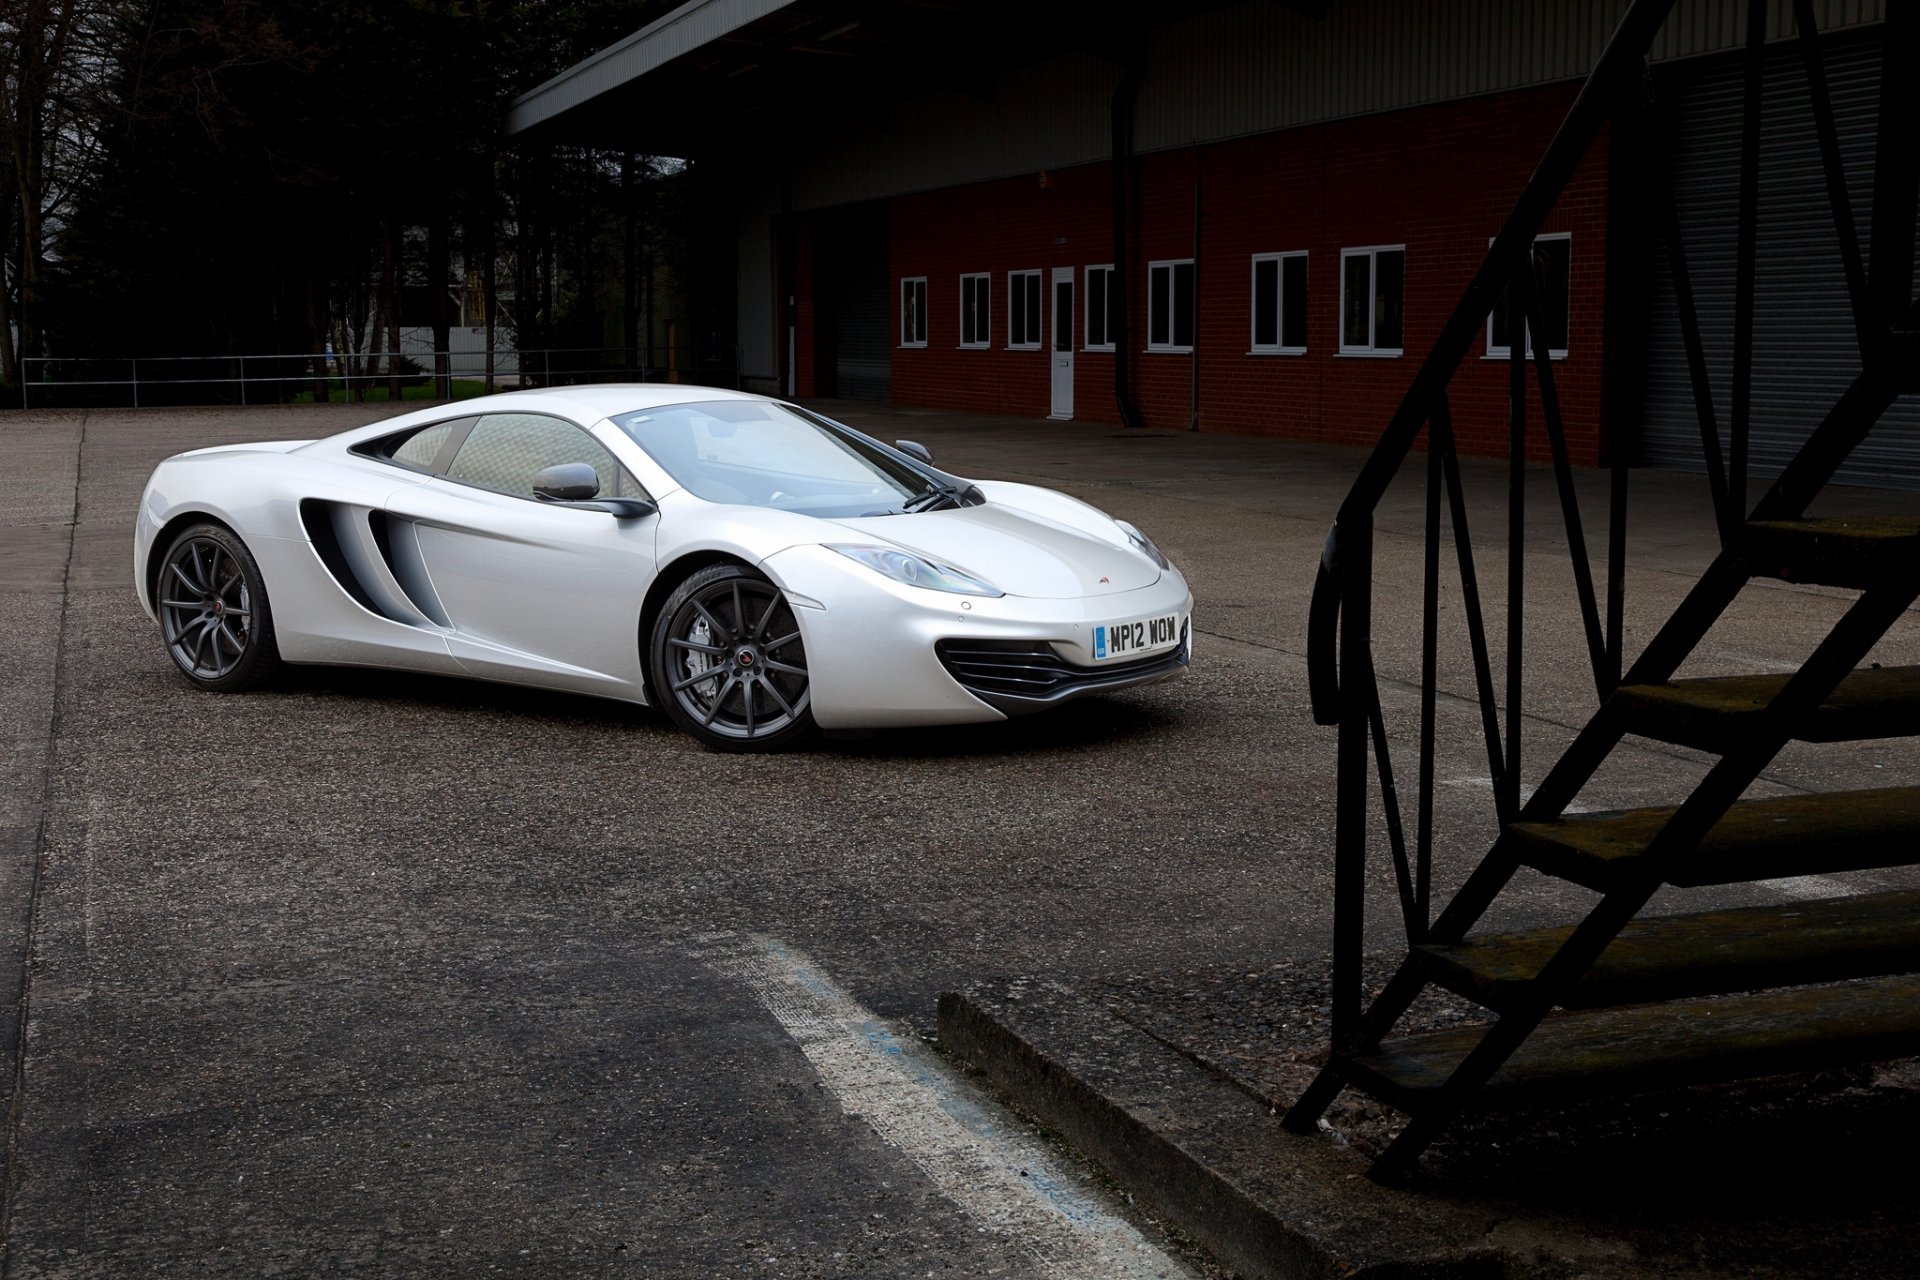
1124	98
1193	420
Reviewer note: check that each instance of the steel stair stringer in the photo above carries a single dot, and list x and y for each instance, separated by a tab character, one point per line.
1614	969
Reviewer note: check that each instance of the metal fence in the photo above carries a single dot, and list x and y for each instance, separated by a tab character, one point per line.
282	378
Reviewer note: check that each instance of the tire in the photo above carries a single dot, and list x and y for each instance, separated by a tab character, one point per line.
730	621
214	616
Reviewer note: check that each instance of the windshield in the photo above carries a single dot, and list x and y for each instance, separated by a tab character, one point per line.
760	454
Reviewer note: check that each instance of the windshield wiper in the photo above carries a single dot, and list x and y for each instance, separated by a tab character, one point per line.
932	499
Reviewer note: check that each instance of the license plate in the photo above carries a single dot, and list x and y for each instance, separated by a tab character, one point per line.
1117	641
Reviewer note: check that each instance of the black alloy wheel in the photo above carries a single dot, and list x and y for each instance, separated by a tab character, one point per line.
728	664
213	611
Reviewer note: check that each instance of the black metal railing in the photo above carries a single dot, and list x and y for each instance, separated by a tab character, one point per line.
280	377
1344	686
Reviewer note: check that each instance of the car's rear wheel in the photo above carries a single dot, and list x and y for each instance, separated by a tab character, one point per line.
728	663
213	611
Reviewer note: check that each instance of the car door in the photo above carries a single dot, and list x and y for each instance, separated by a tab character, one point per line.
530	591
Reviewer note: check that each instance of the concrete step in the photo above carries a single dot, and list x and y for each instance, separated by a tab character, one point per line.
1644	1047
1698	954
1858	553
1756	840
1718	713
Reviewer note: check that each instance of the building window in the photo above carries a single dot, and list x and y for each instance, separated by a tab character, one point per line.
976	310
1023	310
1170	305
1372	289
1101	327
913	311
1280	303
1552	274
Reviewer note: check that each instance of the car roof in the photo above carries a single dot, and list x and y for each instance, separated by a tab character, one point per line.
604	399
587	404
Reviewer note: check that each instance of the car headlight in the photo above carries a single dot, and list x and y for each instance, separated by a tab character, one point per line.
1145	544
917	571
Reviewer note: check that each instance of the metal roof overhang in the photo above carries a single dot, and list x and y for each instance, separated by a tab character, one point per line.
732	73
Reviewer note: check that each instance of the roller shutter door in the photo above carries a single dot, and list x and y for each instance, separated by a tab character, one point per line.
1804	347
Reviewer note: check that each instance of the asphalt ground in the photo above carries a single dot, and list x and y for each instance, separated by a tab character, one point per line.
381	974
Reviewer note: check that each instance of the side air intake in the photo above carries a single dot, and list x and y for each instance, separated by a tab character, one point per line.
375	560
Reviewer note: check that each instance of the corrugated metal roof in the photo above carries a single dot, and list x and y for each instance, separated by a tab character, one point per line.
1213	72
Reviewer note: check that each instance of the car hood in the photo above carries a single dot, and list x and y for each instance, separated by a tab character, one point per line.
1021	553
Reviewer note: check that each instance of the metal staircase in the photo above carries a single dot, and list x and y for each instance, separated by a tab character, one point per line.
1811	985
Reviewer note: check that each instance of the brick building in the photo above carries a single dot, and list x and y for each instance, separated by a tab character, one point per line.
1229	217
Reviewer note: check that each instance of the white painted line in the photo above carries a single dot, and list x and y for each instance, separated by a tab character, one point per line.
1810	886
1001	1176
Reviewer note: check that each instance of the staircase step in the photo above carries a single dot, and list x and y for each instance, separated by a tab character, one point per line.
1699	954
1719	712
1664	1046
1857	553
1756	840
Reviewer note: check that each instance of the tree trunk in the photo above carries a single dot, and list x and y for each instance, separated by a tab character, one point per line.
629	262
525	329
438	251
490	265
317	328
353	328
390	285
10	370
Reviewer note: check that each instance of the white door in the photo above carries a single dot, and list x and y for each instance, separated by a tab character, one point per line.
532	592
1063	313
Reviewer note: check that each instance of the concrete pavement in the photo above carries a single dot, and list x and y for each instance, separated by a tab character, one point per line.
389	975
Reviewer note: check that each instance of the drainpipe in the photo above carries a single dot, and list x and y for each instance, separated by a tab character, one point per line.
1124	98
1193	419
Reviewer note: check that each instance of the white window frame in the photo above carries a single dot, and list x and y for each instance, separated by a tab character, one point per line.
907	338
1553	353
1171	347
1371	252
1018	299
1086	311
980	343
1254	345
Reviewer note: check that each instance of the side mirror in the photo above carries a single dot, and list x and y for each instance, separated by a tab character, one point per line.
914	448
567	482
623	508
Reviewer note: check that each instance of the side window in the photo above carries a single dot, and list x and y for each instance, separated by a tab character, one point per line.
1170	305
976	310
1372	291
1552	274
505	451
1101	328
913	311
422	448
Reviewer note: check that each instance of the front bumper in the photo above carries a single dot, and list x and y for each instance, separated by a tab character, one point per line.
1017	677
882	654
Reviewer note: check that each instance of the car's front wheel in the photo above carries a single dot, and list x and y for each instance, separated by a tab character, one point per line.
728	664
213	611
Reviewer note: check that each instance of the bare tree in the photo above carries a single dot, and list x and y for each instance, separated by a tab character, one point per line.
53	60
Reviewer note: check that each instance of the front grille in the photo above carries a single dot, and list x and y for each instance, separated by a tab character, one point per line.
1024	674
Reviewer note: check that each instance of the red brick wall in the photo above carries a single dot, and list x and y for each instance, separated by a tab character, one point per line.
1438	179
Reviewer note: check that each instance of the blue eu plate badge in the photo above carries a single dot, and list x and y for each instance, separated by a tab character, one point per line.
1099	643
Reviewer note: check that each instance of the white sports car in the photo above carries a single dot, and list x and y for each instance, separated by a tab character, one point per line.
757	570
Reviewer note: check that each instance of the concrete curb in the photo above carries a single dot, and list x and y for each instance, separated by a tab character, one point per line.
1206	1156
